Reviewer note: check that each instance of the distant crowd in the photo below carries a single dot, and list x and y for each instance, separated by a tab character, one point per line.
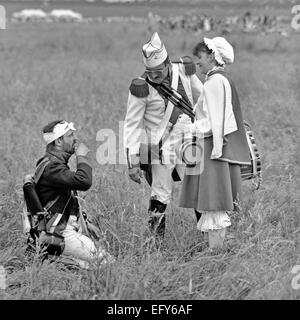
190	22
202	22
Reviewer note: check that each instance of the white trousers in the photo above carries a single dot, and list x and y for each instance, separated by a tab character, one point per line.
81	247
162	181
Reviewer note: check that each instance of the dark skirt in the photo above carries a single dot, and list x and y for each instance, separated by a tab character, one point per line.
213	185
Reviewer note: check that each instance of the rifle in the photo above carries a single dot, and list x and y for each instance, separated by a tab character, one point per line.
88	226
173	96
81	220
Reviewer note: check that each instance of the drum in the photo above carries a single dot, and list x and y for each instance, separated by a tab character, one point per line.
252	170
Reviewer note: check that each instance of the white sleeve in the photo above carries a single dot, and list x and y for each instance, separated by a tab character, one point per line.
202	125
196	86
214	95
134	123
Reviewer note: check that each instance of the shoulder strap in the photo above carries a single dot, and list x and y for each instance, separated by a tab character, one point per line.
37	175
163	124
49	204
139	88
40	169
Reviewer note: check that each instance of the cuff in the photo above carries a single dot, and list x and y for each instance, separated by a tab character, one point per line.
216	154
217	148
83	159
133	160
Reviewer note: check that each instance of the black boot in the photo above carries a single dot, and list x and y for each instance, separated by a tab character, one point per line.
157	226
157	219
198	215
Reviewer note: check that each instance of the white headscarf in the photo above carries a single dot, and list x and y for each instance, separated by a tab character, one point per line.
58	131
222	49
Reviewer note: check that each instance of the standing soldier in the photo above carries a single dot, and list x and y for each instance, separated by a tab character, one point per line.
150	118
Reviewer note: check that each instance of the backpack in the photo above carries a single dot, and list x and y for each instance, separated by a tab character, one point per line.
34	215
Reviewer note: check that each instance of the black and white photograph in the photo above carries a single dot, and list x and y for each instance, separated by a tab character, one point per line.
149	153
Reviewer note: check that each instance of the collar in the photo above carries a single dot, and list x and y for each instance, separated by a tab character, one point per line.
211	71
62	156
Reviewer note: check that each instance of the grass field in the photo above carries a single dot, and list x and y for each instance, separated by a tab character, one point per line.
82	73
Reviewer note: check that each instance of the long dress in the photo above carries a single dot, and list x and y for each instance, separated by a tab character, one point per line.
213	187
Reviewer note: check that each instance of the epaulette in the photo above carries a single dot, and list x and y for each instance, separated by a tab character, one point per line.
189	65
139	88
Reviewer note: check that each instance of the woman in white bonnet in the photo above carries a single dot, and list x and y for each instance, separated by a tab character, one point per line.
213	187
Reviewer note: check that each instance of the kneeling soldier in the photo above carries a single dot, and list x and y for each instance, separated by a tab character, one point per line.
56	188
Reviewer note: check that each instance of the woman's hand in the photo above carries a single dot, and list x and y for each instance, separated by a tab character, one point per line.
182	125
184	118
216	153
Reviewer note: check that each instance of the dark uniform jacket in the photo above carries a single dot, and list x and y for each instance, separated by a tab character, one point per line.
58	180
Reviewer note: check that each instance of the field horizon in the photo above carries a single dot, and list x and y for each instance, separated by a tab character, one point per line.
164	8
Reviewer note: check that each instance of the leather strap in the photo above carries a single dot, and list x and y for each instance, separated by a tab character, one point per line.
37	175
164	122
40	169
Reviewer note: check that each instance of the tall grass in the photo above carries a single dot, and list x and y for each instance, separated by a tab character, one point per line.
82	73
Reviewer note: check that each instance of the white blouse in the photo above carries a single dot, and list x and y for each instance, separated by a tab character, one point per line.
214	113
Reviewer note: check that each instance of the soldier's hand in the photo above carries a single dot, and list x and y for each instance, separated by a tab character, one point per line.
28	178
82	150
135	174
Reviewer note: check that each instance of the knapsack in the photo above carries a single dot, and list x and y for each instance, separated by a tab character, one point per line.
34	215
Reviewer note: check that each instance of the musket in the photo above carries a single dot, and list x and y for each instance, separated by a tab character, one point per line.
175	97
178	101
81	219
